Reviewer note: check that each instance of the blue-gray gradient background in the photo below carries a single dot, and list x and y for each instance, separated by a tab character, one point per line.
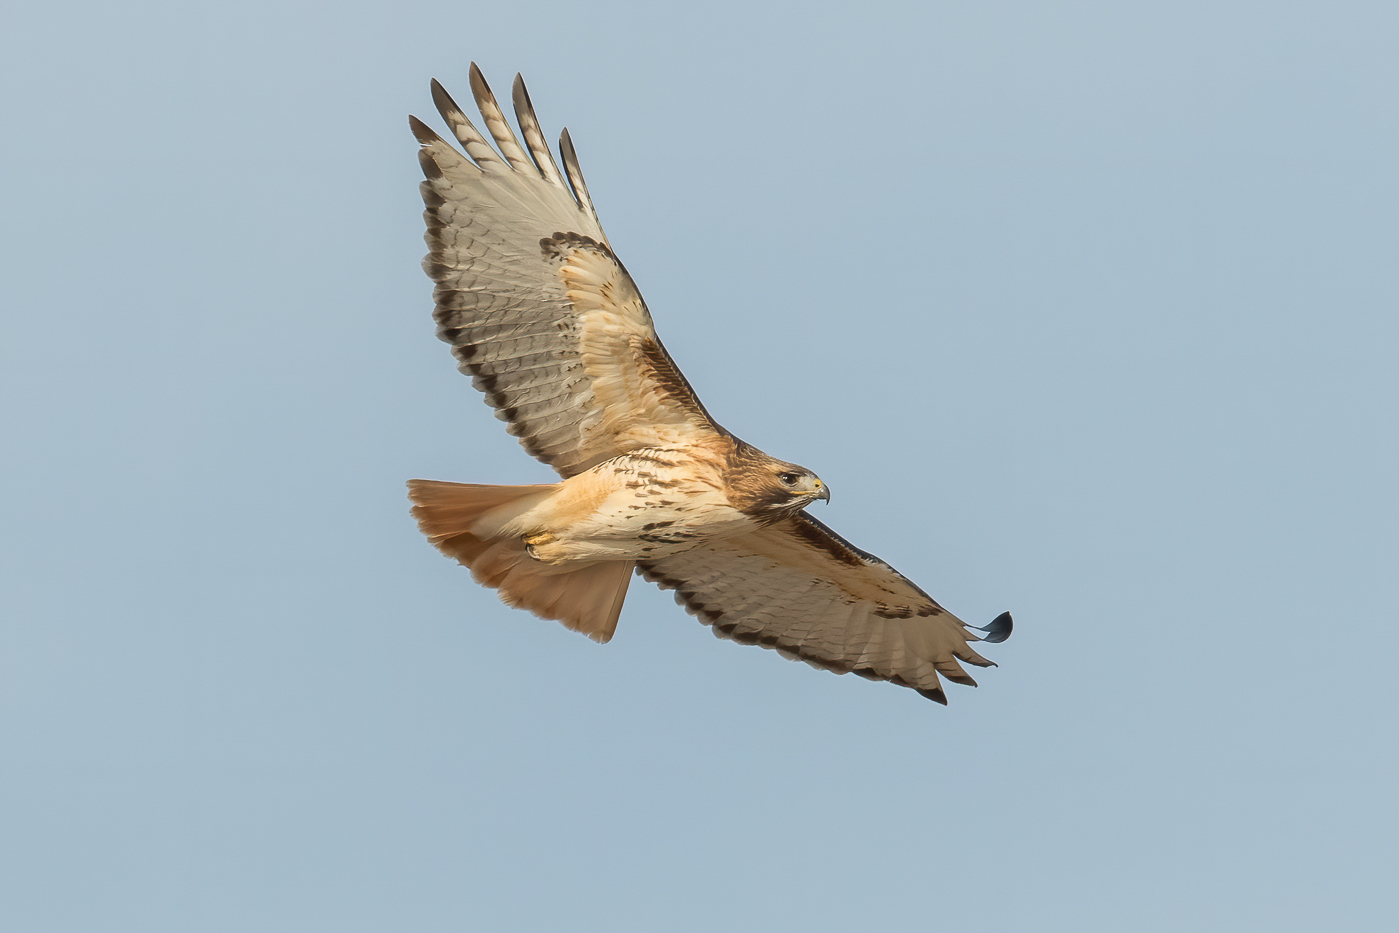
1084	310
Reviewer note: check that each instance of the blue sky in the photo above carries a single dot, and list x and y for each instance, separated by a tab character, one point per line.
1084	310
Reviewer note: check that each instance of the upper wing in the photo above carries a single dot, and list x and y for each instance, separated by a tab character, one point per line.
535	305
802	589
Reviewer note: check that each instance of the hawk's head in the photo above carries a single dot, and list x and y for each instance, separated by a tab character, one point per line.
769	489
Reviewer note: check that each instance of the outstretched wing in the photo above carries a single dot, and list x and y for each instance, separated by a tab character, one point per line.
536	307
802	589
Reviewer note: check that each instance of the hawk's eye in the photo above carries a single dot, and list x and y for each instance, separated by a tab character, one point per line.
789	479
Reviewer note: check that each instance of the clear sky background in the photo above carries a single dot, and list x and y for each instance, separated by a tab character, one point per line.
1085	310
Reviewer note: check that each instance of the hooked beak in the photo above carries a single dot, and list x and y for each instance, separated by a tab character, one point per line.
822	491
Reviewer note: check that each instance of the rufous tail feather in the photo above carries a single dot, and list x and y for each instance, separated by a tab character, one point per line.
462	520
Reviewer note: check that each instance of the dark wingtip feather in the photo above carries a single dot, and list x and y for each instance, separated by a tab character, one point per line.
422	131
958	677
935	694
426	138
999	629
575	174
534	136
441	99
479	87
439	94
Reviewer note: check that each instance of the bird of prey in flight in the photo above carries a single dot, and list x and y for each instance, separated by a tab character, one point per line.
545	319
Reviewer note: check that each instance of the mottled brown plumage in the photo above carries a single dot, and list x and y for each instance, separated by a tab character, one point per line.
551	327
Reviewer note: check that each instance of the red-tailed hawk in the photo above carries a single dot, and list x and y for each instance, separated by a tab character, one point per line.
546	320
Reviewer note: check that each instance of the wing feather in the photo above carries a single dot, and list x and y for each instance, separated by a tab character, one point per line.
800	588
575	174
536	306
534	137
497	125
466	133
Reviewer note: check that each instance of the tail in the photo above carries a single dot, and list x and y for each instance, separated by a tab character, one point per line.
464	520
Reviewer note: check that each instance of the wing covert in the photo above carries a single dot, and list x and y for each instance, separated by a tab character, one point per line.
536	306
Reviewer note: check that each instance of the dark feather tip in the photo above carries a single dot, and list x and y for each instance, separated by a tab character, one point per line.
935	694
999	629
